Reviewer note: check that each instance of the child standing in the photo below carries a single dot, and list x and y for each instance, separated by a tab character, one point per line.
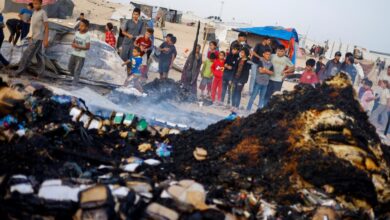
368	97
264	71
241	77
110	36
167	56
25	17
213	48
230	68
135	72
207	76
217	69
145	44
309	76
81	45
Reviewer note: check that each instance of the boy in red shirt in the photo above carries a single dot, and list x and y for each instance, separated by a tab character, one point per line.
217	69
309	76
145	43
110	37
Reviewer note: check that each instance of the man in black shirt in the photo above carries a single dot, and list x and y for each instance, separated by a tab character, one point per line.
14	26
230	68
256	54
241	42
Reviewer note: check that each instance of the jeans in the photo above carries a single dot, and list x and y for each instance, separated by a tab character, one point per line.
252	80
14	34
75	66
273	86
25	30
257	90
226	87
127	51
34	49
236	99
380	111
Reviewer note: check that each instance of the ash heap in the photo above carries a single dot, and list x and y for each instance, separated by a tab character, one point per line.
311	154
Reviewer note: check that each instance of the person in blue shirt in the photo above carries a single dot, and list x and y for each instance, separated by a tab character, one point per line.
25	16
349	68
135	72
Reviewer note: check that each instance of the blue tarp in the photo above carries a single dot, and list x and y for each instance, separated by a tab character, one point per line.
270	31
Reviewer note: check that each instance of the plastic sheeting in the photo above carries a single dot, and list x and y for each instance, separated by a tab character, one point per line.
102	65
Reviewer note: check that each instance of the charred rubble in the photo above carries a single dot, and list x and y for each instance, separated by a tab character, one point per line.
156	91
311	154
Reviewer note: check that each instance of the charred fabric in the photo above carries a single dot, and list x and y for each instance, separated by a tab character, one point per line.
311	154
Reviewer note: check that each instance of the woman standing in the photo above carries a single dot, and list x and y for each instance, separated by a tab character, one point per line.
191	71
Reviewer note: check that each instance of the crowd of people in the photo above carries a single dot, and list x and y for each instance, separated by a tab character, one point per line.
136	45
223	74
317	50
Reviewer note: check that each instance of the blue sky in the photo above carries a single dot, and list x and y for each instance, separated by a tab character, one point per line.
356	22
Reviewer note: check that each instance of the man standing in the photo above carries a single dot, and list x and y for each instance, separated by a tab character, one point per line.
241	41
39	35
257	53
349	68
25	17
81	17
131	30
282	67
332	67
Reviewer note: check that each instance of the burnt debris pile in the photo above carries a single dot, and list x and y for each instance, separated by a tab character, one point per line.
160	90
311	154
157	91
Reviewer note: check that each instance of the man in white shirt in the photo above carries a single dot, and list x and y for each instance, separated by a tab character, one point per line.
39	35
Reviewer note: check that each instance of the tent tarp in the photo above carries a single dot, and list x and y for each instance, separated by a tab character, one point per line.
285	36
270	31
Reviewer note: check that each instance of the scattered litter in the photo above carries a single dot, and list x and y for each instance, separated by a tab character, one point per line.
163	150
200	153
152	162
144	147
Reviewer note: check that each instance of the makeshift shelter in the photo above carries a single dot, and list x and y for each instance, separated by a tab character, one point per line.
54	8
285	36
125	12
171	15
